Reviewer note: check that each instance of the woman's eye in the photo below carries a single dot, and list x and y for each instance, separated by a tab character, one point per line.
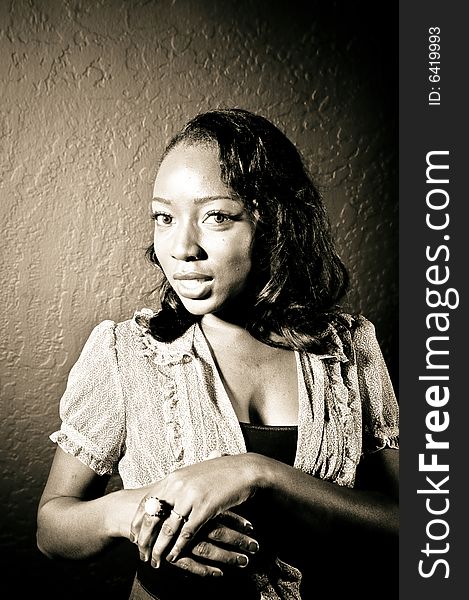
162	218
217	218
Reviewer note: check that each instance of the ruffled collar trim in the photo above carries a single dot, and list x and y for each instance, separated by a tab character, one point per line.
333	341
169	353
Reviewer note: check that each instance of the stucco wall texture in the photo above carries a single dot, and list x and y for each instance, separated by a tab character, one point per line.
90	93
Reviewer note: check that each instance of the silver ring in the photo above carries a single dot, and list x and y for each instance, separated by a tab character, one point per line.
154	507
176	514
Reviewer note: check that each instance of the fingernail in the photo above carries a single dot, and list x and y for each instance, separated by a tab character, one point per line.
143	557
253	546
217	573
248	527
242	560
171	558
155	563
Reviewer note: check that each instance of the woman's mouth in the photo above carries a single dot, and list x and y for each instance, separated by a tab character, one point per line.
192	285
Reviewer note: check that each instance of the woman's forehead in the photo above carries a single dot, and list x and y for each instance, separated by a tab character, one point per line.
190	170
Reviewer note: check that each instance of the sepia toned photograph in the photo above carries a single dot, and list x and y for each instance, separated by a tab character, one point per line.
200	259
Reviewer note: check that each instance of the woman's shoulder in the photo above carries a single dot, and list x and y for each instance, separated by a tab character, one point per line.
141	324
122	333
130	340
349	320
138	324
338	330
138	334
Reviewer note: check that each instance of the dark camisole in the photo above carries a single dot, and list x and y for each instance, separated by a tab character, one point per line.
275	441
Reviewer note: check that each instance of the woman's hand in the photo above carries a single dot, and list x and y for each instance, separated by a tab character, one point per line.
221	543
188	499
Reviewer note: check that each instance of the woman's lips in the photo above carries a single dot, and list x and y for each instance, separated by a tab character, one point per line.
192	285
191	275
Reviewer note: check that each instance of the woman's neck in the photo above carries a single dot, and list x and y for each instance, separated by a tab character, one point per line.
231	337
217	328
223	332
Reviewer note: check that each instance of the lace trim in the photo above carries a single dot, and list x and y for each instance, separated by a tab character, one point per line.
283	583
73	447
379	442
164	356
167	354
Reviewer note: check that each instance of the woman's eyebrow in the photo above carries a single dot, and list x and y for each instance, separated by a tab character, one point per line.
202	200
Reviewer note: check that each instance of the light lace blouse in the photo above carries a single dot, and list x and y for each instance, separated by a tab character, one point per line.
145	408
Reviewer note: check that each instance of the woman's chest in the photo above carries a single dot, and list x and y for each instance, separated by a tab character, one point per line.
180	413
263	389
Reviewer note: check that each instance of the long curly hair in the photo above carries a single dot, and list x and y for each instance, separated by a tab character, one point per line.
297	278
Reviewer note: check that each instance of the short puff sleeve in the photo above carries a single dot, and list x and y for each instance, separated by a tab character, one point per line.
380	410
92	407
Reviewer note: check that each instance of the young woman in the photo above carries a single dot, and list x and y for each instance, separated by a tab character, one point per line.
253	423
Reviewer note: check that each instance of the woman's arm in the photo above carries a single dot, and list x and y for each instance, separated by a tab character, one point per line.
306	505
77	520
314	505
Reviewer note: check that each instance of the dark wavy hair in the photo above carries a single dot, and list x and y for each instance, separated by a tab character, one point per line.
297	278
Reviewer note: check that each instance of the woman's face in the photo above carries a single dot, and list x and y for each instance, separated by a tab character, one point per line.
203	233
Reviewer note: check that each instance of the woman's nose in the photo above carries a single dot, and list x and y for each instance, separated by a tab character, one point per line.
186	243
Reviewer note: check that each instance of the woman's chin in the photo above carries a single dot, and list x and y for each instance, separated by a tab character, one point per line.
229	309
198	306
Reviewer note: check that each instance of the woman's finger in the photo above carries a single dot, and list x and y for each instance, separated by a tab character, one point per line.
181	539
171	530
219	531
149	529
150	514
137	520
211	552
234	539
197	568
235	521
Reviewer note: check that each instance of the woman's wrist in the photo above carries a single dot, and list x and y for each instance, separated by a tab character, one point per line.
261	471
119	511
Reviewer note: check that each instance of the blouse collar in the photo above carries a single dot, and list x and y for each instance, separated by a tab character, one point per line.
334	340
174	352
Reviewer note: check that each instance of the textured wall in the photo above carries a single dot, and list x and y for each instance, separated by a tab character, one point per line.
90	93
